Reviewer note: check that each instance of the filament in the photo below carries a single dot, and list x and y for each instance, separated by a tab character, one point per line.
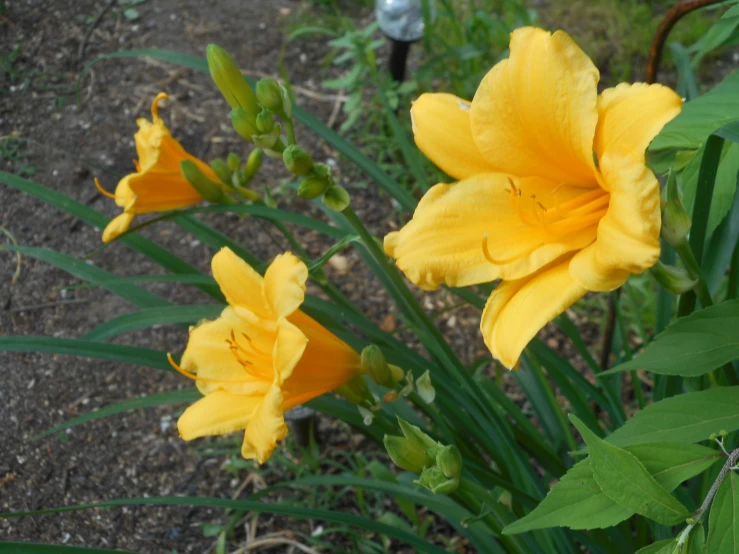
102	190
194	377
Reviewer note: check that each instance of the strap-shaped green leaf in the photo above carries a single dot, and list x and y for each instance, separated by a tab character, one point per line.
625	480
723	522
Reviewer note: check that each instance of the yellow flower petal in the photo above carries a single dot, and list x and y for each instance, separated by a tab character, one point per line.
534	114
284	284
159	192
265	428
210	356
628	235
289	348
631	115
117	226
517	310
218	413
326	364
443	243
240	284
441	127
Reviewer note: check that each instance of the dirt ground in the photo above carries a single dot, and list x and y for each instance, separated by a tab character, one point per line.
138	453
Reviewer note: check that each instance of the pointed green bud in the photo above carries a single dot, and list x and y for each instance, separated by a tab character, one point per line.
425	389
336	198
229	80
675	219
233	161
265	123
433	479
675	279
373	364
267	141
221	169
355	391
397	372
243	124
404	455
208	189
312	188
273	96
449	461
419	439
297	160
253	163
323	172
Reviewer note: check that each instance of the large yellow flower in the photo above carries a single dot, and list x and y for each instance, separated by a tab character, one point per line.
553	197
261	357
158	184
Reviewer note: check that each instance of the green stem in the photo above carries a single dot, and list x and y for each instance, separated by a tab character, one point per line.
685	252
290	130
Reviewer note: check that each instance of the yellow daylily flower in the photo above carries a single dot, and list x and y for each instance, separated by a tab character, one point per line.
553	196
261	357
158	184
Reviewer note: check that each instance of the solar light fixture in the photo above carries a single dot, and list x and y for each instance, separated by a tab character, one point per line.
402	21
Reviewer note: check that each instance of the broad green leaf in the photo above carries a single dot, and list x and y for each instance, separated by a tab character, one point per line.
33	548
333	516
698	119
87	349
578	502
150	401
666	546
625	480
723	522
686	418
723	31
692	345
697	541
192	313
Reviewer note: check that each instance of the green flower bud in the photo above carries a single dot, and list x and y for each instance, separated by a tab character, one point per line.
449	461
312	188
425	389
265	123
253	163
274	97
675	279
229	80
207	188
433	479
297	160
233	161
419	438
675	219
374	364
397	372
222	170
404	455
336	198
323	172
244	125
267	141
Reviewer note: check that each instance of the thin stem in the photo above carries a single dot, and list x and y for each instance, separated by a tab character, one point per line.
728	466
290	130
701	288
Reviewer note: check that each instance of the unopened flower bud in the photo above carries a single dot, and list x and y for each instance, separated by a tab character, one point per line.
244	124
267	141
253	163
336	198
273	97
675	219
449	460
233	161
675	279
297	160
312	188
434	479
405	455
373	364
323	172
221	169
265	123
206	187
230	81
419	438
397	372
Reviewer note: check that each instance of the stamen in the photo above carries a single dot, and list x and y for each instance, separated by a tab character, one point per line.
155	104
194	377
489	257
102	190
